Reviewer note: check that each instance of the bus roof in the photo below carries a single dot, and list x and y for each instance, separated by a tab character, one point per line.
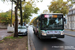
47	13
52	13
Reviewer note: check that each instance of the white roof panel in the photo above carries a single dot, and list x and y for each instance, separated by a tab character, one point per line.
52	13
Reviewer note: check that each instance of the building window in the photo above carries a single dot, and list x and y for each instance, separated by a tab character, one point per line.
74	25
70	25
70	12
73	11
74	18
70	18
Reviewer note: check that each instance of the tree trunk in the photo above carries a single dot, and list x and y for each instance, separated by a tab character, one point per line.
16	20
11	13
21	12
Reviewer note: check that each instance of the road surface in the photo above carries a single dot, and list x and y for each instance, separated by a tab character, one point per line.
67	43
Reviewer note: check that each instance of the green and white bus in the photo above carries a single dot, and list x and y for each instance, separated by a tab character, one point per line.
49	25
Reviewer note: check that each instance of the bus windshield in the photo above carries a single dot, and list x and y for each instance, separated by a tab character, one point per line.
52	23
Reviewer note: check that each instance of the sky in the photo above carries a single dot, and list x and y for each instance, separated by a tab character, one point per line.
5	6
41	5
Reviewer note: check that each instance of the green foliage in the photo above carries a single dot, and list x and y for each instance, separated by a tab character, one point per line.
72	2
36	0
28	10
32	20
5	17
11	37
20	37
59	6
1	41
45	11
36	9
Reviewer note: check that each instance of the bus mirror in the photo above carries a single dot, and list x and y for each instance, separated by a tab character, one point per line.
64	19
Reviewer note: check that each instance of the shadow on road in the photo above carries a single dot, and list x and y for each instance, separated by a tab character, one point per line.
50	40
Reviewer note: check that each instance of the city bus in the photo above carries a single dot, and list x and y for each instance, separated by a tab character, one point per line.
49	26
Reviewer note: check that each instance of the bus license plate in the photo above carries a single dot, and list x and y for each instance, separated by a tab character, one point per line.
53	37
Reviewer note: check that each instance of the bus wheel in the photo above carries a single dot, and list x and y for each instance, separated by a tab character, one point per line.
34	31
39	37
37	33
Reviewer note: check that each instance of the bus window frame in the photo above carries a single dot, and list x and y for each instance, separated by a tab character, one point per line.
41	18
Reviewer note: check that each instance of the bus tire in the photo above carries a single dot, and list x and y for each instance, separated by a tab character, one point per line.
37	33
39	37
34	31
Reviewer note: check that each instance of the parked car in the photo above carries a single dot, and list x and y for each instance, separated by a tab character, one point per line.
27	25
22	30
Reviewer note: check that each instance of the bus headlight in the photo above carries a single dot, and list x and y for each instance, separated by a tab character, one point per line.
43	33
62	33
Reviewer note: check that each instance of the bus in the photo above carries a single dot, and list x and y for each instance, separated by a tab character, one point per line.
49	26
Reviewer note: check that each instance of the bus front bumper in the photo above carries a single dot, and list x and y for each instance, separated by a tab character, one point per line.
51	36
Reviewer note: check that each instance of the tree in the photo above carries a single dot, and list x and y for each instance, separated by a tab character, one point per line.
5	17
45	11
16	20
16	17
59	6
32	20
28	10
72	1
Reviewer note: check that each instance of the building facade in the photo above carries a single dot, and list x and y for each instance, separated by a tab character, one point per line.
71	19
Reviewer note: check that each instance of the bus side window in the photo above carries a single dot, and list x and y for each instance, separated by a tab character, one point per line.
38	23
35	23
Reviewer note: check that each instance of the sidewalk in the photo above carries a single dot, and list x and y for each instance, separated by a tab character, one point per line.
69	33
3	33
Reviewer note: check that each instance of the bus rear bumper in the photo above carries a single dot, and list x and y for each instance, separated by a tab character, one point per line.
52	36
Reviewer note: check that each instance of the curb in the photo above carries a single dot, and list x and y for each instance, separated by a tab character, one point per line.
28	45
29	48
69	34
69	30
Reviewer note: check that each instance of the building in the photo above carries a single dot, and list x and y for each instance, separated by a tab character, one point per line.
71	19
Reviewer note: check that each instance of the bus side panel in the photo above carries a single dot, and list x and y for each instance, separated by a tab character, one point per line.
39	32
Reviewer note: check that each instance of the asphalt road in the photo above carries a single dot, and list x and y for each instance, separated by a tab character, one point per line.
67	43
